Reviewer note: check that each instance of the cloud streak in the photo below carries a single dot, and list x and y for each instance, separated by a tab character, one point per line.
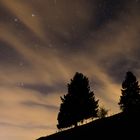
43	43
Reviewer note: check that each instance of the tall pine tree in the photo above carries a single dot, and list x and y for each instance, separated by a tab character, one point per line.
78	104
130	98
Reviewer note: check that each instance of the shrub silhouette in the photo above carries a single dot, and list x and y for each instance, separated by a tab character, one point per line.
102	112
130	98
78	104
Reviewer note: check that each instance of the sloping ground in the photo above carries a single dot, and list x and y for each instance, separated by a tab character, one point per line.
118	126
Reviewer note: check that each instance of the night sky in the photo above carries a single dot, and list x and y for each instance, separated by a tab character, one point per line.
44	42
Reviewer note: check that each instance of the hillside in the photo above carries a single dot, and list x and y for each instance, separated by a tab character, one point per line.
114	127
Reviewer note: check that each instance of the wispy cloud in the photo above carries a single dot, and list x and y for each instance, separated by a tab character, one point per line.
43	43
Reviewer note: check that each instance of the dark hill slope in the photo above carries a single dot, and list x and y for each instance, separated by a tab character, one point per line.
118	126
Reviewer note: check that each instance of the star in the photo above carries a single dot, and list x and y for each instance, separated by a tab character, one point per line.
20	84
33	15
16	20
50	45
21	64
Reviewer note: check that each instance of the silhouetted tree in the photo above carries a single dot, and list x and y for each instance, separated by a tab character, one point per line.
130	98
78	104
102	112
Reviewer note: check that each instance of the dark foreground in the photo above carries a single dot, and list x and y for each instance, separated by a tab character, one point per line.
118	126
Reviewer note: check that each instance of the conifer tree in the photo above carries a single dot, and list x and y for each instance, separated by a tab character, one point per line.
130	98
78	104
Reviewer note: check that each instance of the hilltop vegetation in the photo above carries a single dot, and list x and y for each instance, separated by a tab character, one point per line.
119	126
74	109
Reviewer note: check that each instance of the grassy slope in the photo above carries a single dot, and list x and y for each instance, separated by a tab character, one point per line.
118	126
